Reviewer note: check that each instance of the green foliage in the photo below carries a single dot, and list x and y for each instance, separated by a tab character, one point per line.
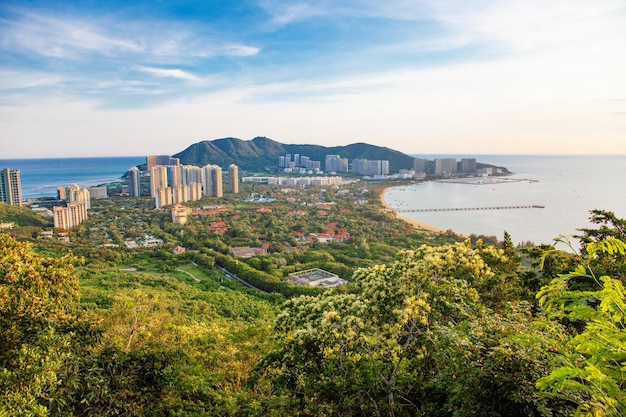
37	298
412	339
21	216
590	369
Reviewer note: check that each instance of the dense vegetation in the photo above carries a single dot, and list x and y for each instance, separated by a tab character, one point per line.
429	324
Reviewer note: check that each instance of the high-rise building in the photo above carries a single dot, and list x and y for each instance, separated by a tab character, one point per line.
158	179
71	216
163	197
421	165
11	187
61	193
191	174
468	165
216	182
367	167
233	179
174	175
335	163
195	191
206	179
180	194
134	185
75	194
165	160
445	166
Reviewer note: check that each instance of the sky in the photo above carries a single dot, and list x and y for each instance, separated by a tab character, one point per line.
126	78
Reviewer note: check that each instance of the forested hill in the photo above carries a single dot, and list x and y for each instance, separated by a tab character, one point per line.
262	152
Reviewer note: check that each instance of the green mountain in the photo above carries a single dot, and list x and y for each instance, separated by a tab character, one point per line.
261	153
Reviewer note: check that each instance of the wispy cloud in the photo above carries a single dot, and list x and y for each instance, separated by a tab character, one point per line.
17	80
74	36
61	37
170	73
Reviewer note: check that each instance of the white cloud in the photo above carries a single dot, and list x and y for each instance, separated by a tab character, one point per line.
287	12
61	37
16	80
169	73
240	50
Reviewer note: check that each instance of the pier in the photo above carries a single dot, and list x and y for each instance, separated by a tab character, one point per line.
468	208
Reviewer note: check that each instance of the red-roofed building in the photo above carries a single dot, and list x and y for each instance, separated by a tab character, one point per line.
218	227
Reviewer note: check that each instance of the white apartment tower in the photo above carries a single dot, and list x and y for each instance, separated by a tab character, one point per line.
445	166
158	179
191	174
174	175
233	179
134	187
70	216
11	187
212	180
75	194
216	182
163	197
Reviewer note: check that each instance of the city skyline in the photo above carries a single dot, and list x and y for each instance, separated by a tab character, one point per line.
84	79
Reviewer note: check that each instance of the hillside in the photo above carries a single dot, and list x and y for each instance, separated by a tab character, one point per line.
261	152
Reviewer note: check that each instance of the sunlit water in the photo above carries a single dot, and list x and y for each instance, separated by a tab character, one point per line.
567	186
41	177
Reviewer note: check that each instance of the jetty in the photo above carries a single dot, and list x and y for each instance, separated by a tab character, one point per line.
423	210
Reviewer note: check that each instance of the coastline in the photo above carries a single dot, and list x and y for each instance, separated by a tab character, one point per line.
414	223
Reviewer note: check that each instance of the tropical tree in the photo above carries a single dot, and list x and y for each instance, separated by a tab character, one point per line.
591	365
413	339
37	326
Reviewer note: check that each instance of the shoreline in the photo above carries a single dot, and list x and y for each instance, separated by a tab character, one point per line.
412	222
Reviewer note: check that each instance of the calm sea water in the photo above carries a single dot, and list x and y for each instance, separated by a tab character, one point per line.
568	186
41	177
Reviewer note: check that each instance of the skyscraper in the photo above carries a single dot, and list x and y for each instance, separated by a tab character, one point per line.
70	216
11	187
216	181
154	160
158	179
335	163
233	179
212	180
134	186
76	194
445	166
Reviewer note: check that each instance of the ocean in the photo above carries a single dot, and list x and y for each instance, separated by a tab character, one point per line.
568	187
41	177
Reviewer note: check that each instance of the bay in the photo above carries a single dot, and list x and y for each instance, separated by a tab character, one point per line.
41	177
567	186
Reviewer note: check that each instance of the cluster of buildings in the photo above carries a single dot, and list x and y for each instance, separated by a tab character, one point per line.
173	183
445	166
298	162
295	181
333	163
75	211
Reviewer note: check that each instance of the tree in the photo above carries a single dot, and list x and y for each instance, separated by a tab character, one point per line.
591	363
37	326
414	338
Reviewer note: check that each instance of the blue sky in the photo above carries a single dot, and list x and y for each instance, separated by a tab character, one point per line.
90	78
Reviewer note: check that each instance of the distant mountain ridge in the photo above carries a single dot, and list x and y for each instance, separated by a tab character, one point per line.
262	152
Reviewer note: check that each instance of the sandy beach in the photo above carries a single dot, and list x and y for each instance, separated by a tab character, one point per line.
414	223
